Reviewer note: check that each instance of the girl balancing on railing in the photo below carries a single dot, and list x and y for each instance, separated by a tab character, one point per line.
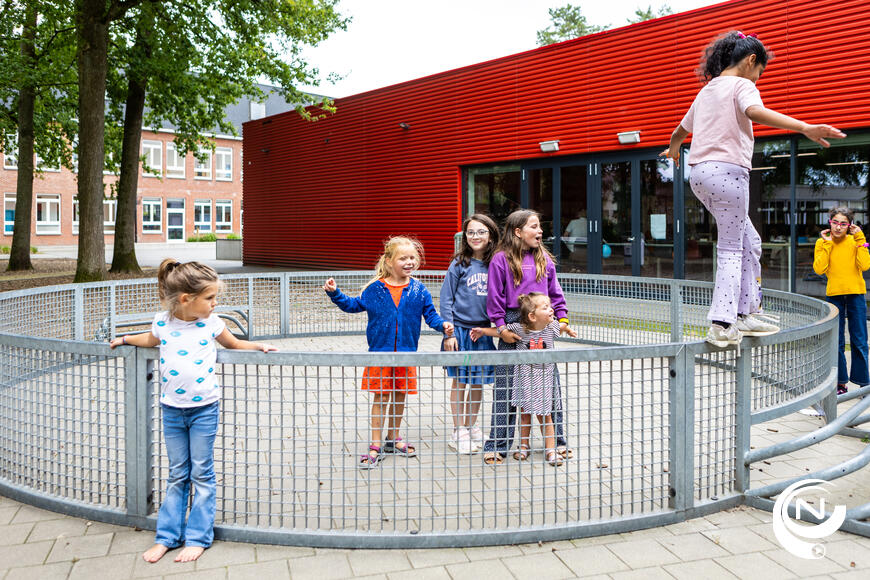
463	302
842	254
535	386
395	303
186	333
522	265
720	121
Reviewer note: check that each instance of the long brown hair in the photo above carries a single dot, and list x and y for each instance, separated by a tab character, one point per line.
465	253
391	246
514	249
175	279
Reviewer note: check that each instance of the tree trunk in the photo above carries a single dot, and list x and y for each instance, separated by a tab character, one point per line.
124	254
92	29
19	255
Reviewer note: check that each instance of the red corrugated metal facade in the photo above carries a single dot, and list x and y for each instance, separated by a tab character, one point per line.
326	194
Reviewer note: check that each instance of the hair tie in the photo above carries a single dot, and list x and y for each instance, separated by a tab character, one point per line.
172	266
741	36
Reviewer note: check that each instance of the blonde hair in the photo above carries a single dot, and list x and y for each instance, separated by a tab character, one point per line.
391	247
514	248
175	279
527	306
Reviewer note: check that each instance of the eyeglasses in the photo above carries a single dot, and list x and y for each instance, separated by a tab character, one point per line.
839	224
477	233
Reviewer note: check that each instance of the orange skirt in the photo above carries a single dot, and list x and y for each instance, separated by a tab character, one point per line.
389	379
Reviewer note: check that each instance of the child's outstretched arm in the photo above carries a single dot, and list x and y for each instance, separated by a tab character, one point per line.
340	299
677	137
565	329
818	133
228	340
145	339
479	331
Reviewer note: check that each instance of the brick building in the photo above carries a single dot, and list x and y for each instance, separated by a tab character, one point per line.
177	197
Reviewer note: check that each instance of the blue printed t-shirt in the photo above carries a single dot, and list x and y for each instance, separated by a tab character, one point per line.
187	359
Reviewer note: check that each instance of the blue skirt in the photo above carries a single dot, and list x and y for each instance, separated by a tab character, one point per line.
476	374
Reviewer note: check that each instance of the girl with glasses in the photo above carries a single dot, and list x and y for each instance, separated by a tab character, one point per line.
842	254
720	121
463	302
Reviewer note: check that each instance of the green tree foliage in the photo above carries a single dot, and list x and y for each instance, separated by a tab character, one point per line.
186	62
648	13
37	101
567	22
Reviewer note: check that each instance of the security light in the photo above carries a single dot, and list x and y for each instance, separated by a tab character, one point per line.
549	146
628	137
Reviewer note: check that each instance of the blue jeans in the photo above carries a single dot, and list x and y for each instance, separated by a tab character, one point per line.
189	436
854	308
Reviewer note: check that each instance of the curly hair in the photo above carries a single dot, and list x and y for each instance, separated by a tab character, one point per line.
727	50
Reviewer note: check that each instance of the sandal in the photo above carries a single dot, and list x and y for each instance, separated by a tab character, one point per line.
522	453
369	461
405	450
842	389
554	458
565	452
492	458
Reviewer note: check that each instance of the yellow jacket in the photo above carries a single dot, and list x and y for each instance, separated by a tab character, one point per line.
843	262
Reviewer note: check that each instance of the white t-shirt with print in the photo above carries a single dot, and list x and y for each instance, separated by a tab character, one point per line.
187	359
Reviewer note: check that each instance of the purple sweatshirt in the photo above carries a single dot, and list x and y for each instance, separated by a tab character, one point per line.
502	293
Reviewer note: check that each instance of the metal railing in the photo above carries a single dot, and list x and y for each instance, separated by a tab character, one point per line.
658	420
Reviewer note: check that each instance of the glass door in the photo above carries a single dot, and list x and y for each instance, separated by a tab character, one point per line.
175	220
656	233
575	228
618	239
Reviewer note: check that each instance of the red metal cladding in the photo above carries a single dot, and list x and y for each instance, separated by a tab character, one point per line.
326	194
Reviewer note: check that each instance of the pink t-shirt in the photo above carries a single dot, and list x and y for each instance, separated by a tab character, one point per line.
717	119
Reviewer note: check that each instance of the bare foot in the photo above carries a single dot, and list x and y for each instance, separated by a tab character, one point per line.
154	553
189	553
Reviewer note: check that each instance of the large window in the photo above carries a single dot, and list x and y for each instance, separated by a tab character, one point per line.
8	213
174	162
769	194
152	222
494	190
202	215
110	208
223	164
152	153
827	178
223	215
202	164
10	156
43	165
47	214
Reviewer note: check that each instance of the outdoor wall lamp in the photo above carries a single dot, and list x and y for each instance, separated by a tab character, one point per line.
549	146
628	137
404	126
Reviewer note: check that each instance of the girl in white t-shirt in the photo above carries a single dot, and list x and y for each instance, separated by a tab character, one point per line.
720	121
186	333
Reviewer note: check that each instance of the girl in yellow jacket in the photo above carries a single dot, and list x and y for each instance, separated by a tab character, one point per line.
842	254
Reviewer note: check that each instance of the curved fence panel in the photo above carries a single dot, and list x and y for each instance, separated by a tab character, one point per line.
655	420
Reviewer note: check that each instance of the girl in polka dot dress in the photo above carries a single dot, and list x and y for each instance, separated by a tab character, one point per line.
186	333
720	121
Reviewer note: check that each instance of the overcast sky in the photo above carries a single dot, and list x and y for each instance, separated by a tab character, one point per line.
391	41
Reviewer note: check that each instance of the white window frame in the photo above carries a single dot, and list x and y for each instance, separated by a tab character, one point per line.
256	110
48	227
152	151
199	224
41	165
176	169
202	169
152	202
10	161
241	165
8	226
108	224
223	208
223	156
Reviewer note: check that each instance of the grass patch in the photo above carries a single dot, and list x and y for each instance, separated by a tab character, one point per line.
232	236
7	250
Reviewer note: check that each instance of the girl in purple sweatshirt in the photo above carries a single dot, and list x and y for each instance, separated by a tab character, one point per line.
521	265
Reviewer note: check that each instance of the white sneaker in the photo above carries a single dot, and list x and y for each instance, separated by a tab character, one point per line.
476	436
466	446
722	337
752	325
458	434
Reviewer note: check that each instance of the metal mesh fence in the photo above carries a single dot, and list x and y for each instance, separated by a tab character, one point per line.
62	429
294	424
